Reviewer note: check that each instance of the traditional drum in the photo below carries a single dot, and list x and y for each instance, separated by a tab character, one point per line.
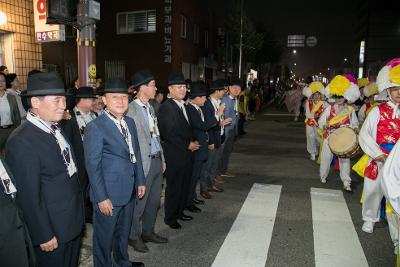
343	142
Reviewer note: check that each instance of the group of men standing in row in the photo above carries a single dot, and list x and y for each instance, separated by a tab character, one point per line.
378	129
118	157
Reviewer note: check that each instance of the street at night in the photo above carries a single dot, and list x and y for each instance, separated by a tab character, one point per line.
199	133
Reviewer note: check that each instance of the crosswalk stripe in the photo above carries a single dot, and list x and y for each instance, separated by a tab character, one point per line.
336	241
248	241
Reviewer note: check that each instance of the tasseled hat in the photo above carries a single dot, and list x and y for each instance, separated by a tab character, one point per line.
388	77
312	88
371	89
343	86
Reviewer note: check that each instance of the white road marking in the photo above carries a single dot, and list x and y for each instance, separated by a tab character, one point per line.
336	241
248	241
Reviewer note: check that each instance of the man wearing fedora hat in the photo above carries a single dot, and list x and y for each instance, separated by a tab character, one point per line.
214	110
44	167
114	165
200	126
145	214
74	129
178	146
231	111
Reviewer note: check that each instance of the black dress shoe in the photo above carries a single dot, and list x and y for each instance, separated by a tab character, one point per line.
198	201
186	217
138	245
175	225
153	237
137	264
193	209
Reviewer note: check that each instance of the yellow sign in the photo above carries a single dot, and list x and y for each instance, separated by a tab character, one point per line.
92	71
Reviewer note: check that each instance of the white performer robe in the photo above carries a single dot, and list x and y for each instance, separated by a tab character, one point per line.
327	155
390	184
372	190
313	138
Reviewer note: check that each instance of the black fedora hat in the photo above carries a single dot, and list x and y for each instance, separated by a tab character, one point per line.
218	84
141	77
197	89
236	81
85	92
44	83
115	85
176	78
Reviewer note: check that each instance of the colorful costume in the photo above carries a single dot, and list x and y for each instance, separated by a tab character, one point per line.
369	91
379	134
334	117
314	110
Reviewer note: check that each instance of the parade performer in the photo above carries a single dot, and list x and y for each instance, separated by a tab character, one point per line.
380	132
369	91
314	107
390	184
344	91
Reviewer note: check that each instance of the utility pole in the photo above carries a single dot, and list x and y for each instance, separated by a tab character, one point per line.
241	40
88	14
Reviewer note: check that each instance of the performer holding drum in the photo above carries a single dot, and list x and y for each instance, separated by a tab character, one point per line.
379	134
342	90
314	107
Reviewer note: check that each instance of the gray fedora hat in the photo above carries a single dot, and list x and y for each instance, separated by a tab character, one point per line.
44	83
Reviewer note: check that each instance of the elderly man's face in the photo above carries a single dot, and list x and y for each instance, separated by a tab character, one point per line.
177	91
49	108
117	103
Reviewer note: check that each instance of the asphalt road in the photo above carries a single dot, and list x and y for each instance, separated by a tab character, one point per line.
273	152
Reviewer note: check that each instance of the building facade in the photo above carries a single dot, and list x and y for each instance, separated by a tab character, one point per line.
18	49
159	35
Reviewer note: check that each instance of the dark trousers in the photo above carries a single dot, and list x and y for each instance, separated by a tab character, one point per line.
226	152
177	190
197	168
66	255
110	235
242	120
145	213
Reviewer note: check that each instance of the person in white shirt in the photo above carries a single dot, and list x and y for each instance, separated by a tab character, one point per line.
378	135
343	90
370	91
14	88
314	107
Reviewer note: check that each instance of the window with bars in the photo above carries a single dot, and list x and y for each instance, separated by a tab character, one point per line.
136	22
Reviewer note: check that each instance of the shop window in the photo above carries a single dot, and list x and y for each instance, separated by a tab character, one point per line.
136	22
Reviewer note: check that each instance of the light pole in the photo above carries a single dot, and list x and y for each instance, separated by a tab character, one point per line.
241	39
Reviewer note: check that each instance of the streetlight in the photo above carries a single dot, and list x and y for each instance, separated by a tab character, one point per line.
345	59
295	64
294	51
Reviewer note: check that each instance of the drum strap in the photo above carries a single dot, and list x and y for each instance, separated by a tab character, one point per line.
340	118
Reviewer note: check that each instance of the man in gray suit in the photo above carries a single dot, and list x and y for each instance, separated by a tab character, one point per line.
145	212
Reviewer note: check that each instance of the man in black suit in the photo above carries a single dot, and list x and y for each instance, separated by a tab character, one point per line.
213	110
74	129
200	126
44	168
178	147
15	244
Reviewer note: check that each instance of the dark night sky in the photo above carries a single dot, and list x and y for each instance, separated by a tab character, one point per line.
330	21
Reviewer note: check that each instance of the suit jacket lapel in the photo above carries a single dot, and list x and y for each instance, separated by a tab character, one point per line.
142	123
115	132
180	112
